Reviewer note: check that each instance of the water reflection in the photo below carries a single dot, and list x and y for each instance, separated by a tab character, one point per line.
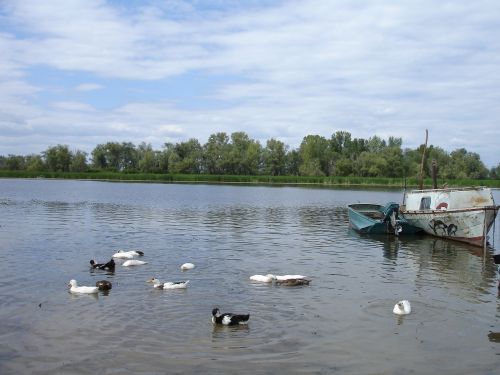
494	337
436	254
84	296
219	331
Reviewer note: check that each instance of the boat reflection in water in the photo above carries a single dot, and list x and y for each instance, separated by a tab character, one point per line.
436	260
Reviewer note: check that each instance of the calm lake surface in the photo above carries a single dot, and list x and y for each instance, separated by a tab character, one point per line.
342	323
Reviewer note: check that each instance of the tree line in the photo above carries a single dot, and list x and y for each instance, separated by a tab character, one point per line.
238	154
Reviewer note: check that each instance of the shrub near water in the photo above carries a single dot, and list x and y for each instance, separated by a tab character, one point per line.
284	180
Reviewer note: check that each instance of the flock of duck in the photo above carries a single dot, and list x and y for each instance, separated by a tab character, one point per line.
401	308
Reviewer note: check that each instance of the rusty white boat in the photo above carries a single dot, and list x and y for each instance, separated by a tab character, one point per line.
462	214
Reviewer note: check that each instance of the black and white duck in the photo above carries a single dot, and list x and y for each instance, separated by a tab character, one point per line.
110	266
285	280
229	319
157	284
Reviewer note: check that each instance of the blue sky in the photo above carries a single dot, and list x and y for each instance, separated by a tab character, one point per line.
84	72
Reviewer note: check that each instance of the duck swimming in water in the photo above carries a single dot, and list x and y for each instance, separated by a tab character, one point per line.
74	288
187	266
229	319
110	266
402	308
133	262
103	285
293	282
157	284
263	278
122	254
288	280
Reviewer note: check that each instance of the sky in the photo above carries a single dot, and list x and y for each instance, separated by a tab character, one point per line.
86	72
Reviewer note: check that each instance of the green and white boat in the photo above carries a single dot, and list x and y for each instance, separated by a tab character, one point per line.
461	214
377	219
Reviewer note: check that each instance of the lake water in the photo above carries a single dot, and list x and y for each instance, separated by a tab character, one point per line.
342	323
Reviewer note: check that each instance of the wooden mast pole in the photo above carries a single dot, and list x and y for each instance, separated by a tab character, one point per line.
422	163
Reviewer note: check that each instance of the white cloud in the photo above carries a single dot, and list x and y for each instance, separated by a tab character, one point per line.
295	68
88	87
72	106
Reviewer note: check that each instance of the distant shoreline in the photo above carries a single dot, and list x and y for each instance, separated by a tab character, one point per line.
325	181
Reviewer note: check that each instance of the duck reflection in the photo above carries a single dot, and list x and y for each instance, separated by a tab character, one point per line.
75	296
494	337
219	330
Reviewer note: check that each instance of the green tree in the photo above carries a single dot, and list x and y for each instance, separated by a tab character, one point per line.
58	158
244	155
274	157
79	162
395	165
15	162
115	156
253	160
395	142
99	157
370	164
187	157
35	163
128	157
442	159
495	172
292	163
341	142
311	167
148	160
356	147
468	164
376	144
216	153
315	154
343	167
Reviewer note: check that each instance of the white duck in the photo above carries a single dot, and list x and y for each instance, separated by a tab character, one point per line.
263	278
122	254
133	262
187	266
402	308
290	277
157	284
74	288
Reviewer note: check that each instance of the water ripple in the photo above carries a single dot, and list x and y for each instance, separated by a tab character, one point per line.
50	230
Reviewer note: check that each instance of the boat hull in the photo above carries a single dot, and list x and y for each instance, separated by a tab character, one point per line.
462	214
469	225
371	219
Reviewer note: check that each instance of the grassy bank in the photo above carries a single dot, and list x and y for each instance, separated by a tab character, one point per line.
278	180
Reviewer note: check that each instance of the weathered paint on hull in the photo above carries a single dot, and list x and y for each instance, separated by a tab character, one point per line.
465	225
